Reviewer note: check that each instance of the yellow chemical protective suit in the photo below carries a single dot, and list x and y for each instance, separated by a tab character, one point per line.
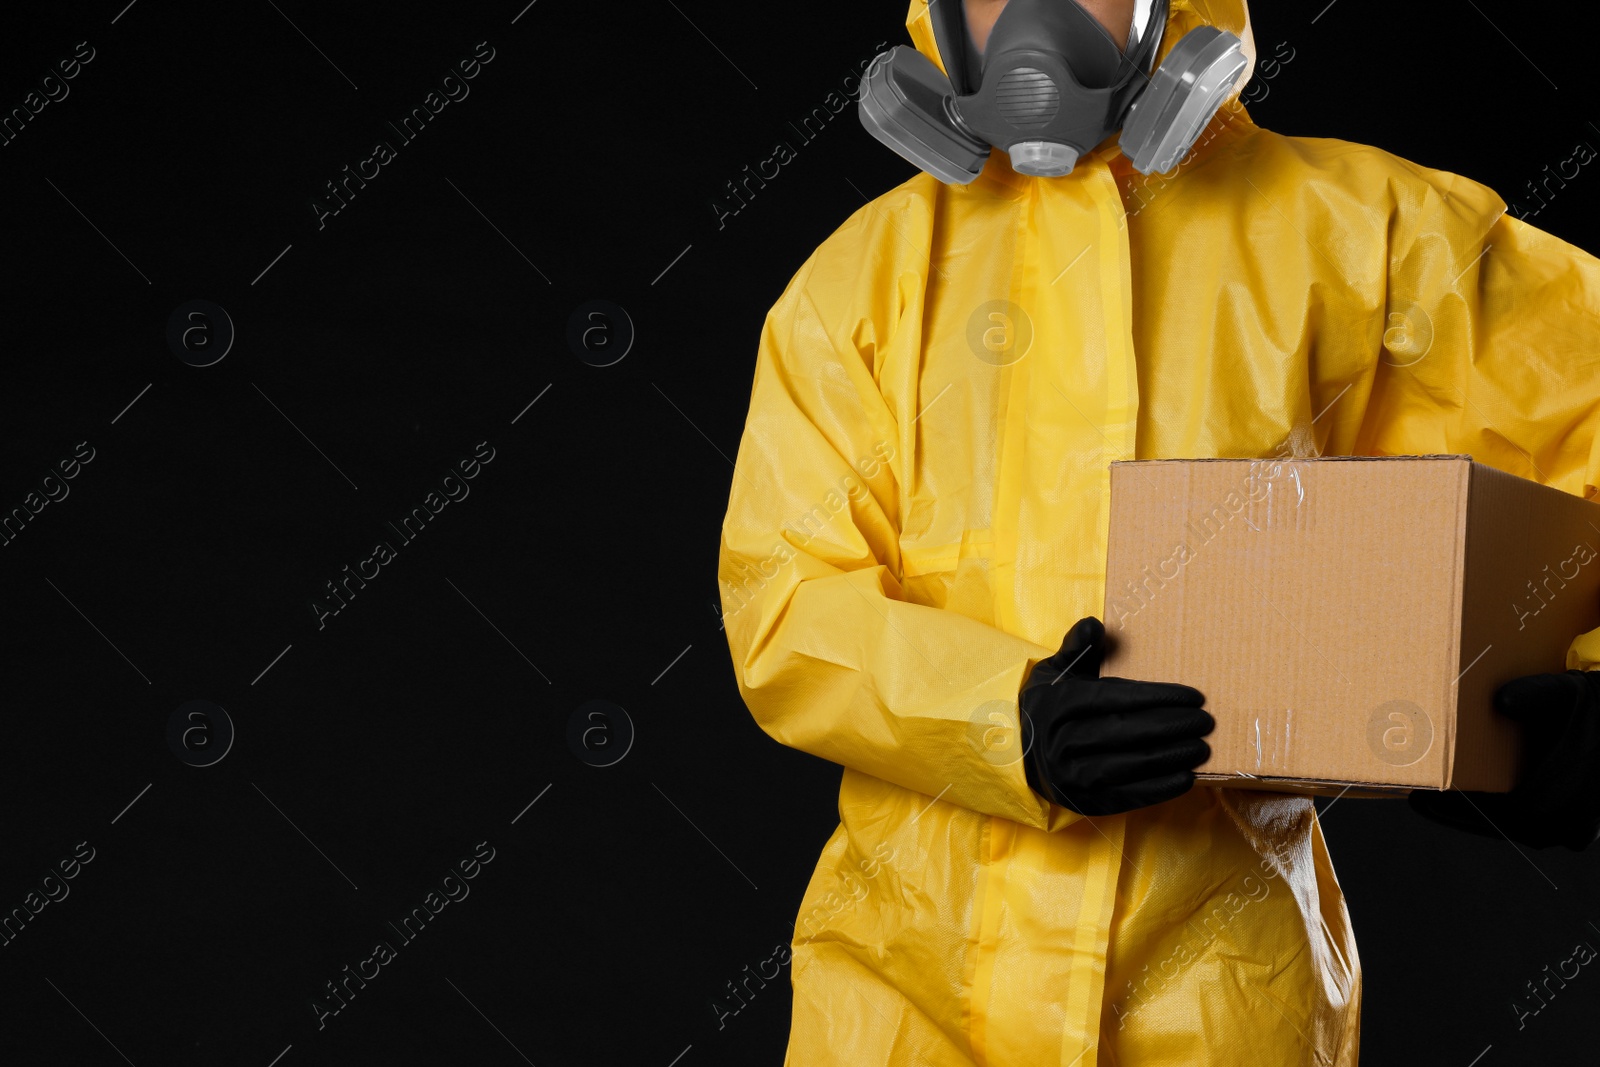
919	512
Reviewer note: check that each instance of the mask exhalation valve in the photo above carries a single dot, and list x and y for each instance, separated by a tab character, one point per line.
1043	159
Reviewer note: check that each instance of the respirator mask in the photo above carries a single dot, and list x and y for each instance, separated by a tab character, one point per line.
1050	85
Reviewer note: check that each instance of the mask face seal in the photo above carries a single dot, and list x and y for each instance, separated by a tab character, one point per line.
1050	86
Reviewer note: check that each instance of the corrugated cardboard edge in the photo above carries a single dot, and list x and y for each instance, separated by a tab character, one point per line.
1457	605
1295	459
1312	786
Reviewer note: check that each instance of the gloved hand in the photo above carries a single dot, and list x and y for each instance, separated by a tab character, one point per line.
1101	746
1556	800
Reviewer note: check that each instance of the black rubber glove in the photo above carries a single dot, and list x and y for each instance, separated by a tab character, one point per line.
1101	746
1556	800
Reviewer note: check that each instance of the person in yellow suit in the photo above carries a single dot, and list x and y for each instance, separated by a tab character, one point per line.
918	515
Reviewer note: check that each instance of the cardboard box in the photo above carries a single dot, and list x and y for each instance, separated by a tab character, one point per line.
1348	618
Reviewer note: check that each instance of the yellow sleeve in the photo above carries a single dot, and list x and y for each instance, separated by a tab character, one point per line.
830	657
1491	347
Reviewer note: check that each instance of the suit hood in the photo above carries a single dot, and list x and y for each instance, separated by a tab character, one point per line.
1182	16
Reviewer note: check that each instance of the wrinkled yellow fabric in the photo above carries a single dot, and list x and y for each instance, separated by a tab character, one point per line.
911	527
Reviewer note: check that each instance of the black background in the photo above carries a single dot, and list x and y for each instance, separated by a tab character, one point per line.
375	752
